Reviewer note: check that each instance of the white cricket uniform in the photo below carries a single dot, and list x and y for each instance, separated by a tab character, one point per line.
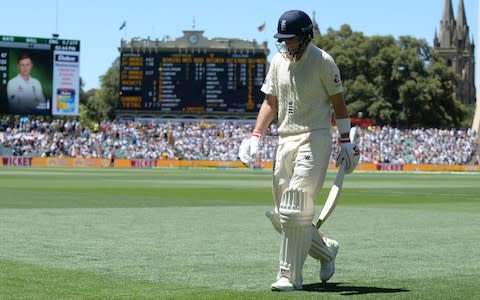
24	95
303	89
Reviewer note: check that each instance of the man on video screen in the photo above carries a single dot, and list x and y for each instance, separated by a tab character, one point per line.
24	92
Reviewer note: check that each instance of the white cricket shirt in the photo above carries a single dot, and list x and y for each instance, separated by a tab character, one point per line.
303	89
24	95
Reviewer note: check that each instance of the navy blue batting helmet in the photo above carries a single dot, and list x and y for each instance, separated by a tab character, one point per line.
293	23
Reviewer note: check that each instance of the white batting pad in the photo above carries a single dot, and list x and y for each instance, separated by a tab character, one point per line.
318	249
296	214
275	219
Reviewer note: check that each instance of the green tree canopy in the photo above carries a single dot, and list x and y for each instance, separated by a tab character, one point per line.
102	103
396	82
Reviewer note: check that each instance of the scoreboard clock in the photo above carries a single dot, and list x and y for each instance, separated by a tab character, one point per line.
193	39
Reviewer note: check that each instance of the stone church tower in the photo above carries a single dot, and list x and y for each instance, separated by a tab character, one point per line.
454	45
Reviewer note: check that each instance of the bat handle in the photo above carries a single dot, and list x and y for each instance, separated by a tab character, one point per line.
319	223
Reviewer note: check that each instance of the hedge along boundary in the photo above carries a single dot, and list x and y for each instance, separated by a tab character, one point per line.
69	162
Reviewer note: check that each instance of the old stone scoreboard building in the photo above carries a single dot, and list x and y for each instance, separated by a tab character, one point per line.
191	76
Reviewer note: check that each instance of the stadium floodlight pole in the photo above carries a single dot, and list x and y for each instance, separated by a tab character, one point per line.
56	16
55	35
476	119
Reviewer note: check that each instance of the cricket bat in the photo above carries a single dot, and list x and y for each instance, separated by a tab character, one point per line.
332	198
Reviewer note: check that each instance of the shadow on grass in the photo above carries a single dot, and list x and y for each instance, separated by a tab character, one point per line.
349	290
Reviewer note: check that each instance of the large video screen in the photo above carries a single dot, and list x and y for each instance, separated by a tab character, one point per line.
204	81
39	76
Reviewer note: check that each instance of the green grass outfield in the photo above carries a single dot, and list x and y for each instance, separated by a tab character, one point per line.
202	234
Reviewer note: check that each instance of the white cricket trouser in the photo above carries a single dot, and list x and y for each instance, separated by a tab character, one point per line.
301	163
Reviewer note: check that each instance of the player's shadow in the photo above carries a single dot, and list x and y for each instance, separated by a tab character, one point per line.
350	290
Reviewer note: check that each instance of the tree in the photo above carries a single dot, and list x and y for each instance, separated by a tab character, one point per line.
395	82
104	101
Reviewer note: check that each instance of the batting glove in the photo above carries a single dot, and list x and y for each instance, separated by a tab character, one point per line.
348	156
248	150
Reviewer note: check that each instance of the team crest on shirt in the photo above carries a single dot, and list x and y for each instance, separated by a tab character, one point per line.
337	80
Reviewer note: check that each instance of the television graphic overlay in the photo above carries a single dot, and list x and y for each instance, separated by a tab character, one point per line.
35	71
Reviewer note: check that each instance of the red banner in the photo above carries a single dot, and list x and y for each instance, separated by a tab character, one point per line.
143	163
17	161
389	167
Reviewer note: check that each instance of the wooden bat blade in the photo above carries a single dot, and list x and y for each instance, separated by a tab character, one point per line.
332	198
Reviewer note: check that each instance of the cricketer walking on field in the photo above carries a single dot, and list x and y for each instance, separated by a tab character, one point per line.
301	86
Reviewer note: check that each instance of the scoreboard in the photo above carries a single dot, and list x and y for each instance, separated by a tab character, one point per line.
206	81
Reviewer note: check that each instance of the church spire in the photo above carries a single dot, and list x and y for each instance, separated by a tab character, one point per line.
448	11
461	17
447	26
462	27
316	29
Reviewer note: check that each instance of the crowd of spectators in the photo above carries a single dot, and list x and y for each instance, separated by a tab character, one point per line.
415	146
219	140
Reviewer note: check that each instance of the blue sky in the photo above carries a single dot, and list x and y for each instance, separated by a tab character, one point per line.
96	23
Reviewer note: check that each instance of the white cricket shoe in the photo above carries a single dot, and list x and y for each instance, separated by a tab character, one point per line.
283	284
327	268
